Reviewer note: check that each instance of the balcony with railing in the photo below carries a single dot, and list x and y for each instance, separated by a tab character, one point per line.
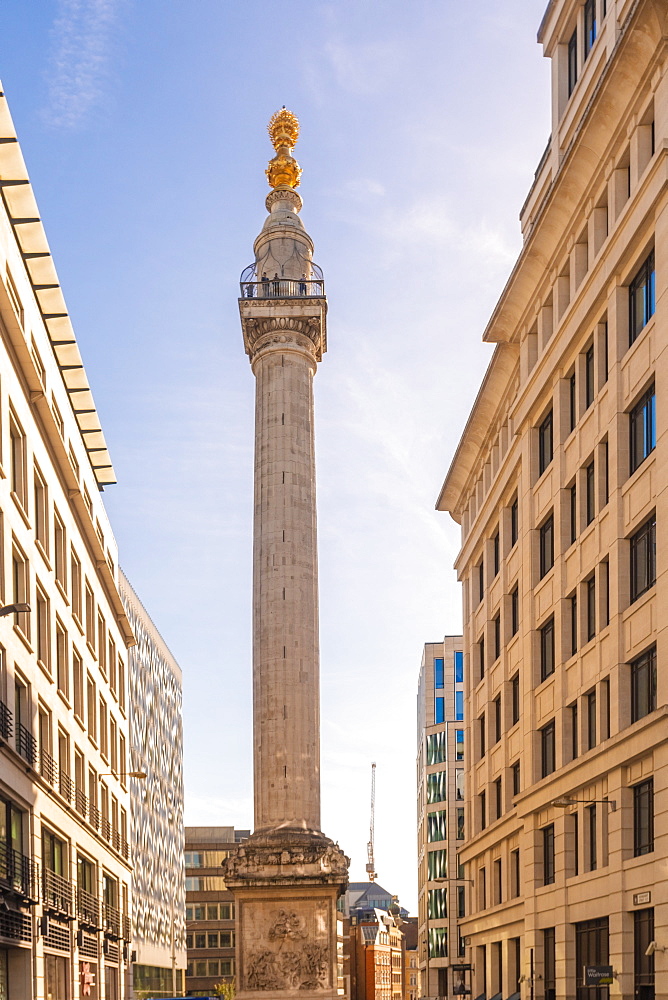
94	816
105	828
127	930
26	744
18	874
57	893
310	285
111	920
88	909
81	802
48	767
6	728
65	786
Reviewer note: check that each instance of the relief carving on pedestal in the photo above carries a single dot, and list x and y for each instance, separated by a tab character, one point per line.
296	964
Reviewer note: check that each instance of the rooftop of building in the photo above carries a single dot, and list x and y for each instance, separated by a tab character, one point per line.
212	835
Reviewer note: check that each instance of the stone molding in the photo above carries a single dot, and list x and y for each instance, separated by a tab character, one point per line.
308	860
305	333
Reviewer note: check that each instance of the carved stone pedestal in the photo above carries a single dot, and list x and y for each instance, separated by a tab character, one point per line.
285	886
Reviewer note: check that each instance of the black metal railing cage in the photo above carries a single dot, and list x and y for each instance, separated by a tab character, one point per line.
255	284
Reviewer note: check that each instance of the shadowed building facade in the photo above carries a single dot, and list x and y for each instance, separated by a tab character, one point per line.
288	876
559	484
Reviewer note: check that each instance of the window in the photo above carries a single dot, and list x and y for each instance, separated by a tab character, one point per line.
102	644
437	866
21	589
643	818
78	684
41	510
437	906
43	629
498	798
91	698
481	728
438	672
497	558
545	444
591	948
436	748
497	637
573	497
439	711
591	720
592	833
515	698
546	546
104	729
459	667
482	799
17	444
575	744
547	750
591	607
497	718
573	602
497	882
643	964
75	581
60	550
590	506
212	940
436	826
643	559
481	656
200	940
515	611
641	298
548	854
62	665
459	706
643	685
515	874
438	942
459	781
459	744
515	768
90	617
481	581
121	683
547	649
572	402
436	787
113	744
642	421
549	964
111	662
572	61
461	901
514	522
589	377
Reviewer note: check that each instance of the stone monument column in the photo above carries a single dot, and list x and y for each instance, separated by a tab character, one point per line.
288	876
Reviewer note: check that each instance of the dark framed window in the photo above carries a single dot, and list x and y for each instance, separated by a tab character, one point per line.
576	843
483	810
514	610
514	522
591	720
643	684
481	581
642	297
515	698
545	444
589	26
572	402
547	649
481	657
643	964
591	492
643	558
546	545
572	61
590	382
498	799
575	736
606	474
515	877
591	607
497	553
573	497
438	672
497	636
591	948
497	718
547	750
643	818
515	768
549	964
642	420
592	831
481	727
573	601
548	854
497	887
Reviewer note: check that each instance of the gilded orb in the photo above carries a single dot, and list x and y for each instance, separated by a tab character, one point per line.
283	129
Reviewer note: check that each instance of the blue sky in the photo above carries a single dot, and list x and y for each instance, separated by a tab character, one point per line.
143	125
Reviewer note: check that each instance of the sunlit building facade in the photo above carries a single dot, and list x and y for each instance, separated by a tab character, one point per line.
440	811
558	485
156	809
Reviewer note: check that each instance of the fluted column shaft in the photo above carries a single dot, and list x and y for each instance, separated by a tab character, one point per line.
285	592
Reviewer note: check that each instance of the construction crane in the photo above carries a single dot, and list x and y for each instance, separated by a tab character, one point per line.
370	866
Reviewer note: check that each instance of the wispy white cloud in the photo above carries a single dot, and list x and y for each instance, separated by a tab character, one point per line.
364	68
82	44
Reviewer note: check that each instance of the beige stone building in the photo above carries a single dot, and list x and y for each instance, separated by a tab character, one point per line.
440	811
559	484
65	866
